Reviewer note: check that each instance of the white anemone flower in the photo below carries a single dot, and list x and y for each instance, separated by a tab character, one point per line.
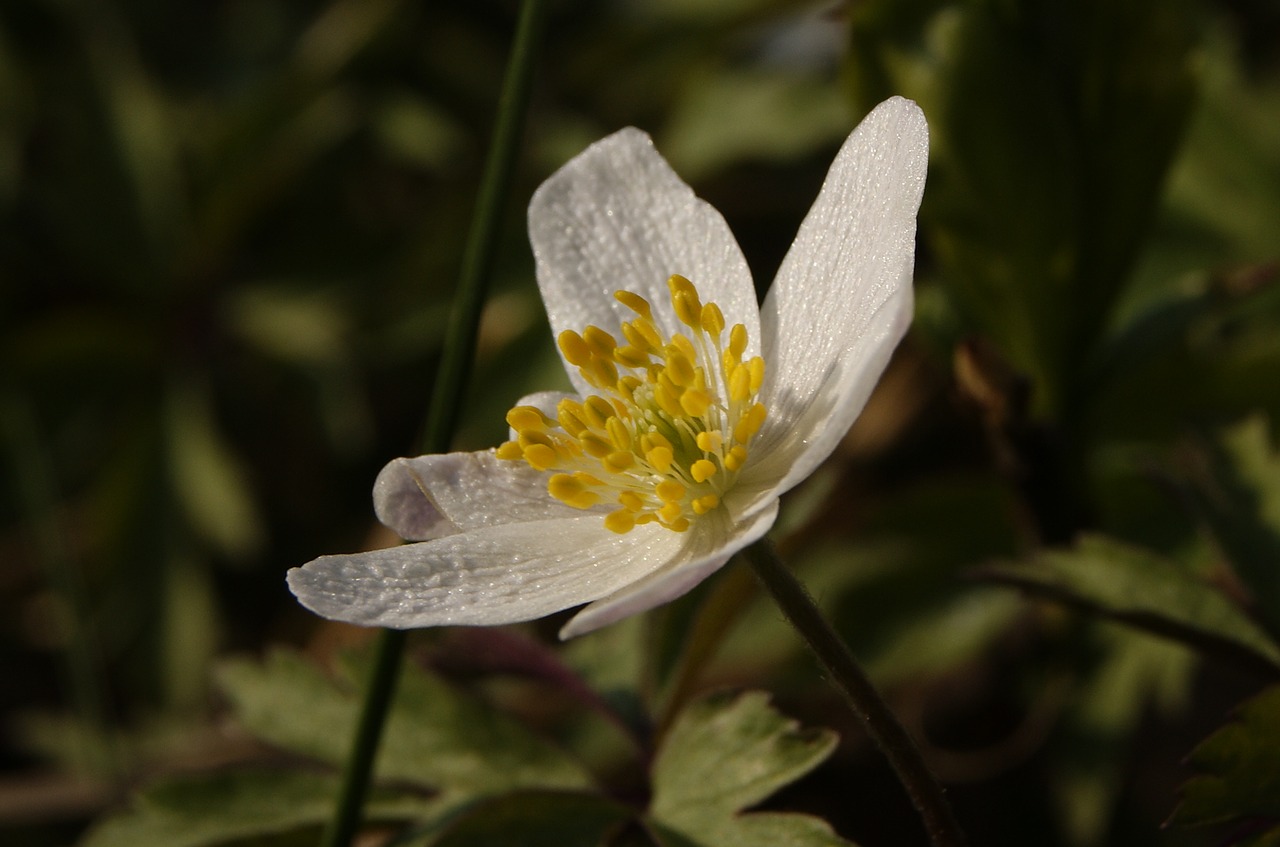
694	410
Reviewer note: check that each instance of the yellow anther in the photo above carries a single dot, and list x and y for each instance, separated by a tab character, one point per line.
650	440
695	403
599	342
570	490
669	491
621	521
712	320
631	500
527	437
678	284
740	384
687	309
527	417
660	459
597	411
575	350
705	504
682	343
618	433
749	424
571	416
634	302
684	299
667	400
668	424
679	368
631	356
601	373
757	373
618	461
637	337
595	445
648	333
540	457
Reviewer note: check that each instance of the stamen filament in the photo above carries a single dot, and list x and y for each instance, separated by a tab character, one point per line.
670	428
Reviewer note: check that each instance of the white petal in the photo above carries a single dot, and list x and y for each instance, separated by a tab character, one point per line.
842	299
496	575
709	547
618	217
434	496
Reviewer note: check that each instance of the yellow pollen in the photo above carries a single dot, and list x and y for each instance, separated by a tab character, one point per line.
669	422
702	470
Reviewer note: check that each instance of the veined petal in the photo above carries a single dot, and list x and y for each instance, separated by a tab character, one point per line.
618	217
495	575
709	546
842	299
433	496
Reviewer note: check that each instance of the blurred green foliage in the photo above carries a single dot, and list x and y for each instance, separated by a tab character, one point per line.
228	236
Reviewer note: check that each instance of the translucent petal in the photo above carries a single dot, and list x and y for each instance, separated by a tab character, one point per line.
490	576
842	299
434	496
618	217
710	543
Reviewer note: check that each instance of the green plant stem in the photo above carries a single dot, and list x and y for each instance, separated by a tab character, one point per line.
802	611
451	378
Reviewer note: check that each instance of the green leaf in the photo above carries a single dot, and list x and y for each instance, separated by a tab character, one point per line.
536	819
216	808
759	829
434	735
1239	497
726	753
1048	152
1140	588
1113	694
1240	771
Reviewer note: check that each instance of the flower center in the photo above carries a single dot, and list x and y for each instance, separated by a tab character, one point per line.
668	431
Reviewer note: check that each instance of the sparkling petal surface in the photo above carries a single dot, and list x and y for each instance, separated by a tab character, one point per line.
618	217
842	299
433	496
496	575
709	545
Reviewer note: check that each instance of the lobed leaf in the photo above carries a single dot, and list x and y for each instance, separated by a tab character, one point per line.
726	753
192	811
1145	590
434	735
1240	771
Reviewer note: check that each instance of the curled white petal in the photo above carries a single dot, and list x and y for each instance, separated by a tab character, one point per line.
496	575
618	217
842	299
433	496
705	552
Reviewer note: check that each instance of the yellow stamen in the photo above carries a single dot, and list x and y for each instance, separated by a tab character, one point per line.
668	426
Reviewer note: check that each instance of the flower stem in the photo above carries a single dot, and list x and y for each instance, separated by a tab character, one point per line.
802	611
446	399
